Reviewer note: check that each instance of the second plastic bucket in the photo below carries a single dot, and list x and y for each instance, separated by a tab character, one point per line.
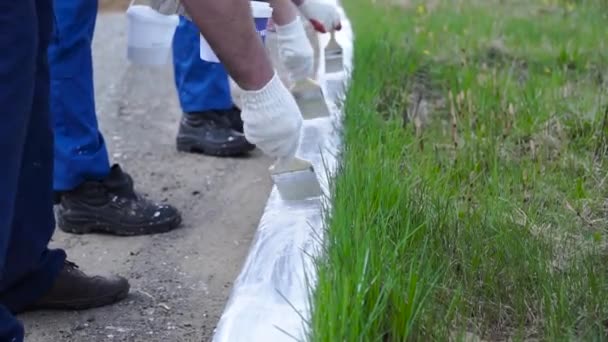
261	12
150	35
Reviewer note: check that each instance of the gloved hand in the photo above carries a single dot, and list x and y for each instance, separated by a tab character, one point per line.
272	119
323	16
295	51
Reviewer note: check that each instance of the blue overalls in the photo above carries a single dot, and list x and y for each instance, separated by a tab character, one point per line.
201	85
28	267
80	150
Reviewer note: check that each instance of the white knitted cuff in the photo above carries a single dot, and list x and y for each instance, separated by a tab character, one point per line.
263	103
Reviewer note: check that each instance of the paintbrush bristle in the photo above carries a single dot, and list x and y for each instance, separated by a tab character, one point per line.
297	185
333	64
295	179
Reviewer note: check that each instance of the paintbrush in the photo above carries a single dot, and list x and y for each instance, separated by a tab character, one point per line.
310	99
333	55
295	179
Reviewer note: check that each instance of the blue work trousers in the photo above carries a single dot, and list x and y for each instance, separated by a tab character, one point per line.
201	85
27	267
80	150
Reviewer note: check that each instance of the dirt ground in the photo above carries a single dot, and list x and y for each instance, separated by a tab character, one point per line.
180	280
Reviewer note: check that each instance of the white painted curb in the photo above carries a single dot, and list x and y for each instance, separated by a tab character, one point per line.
269	301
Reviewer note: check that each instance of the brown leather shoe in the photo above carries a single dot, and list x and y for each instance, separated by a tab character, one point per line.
74	290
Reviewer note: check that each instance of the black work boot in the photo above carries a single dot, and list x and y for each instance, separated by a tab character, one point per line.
74	290
215	133
112	206
234	117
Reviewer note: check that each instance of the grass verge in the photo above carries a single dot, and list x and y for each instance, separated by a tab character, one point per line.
471	200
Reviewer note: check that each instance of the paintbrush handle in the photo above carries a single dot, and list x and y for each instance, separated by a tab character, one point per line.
333	43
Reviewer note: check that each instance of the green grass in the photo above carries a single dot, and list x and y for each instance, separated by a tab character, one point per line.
471	199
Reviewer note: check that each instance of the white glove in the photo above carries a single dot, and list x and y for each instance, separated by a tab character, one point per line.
295	51
272	119
323	16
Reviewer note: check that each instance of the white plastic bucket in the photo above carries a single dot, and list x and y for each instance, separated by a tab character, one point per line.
261	12
206	51
260	9
149	35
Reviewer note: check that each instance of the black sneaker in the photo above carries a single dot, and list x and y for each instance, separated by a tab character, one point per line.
112	206
215	133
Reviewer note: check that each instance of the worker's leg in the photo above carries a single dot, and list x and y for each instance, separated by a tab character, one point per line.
93	196
17	69
80	151
201	85
211	124
33	275
32	224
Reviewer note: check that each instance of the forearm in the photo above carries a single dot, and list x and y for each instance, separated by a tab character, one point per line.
228	27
